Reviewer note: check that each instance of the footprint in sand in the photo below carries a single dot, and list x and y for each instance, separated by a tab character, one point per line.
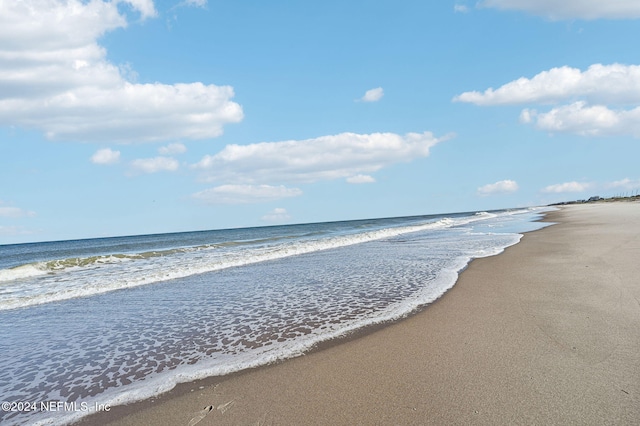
200	415
224	407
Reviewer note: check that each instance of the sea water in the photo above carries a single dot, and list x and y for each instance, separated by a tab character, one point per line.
94	323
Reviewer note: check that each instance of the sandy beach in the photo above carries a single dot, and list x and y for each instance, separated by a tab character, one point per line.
547	332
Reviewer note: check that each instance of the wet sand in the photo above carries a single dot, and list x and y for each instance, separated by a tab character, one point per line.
547	332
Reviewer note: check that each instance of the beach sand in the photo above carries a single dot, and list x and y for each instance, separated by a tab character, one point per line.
547	332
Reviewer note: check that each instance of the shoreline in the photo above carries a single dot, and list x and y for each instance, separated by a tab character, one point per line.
431	355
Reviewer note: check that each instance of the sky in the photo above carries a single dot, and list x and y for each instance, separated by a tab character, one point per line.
129	117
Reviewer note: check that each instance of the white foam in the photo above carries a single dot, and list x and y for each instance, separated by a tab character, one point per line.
115	276
23	271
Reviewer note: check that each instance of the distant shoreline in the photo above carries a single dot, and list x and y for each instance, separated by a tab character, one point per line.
598	199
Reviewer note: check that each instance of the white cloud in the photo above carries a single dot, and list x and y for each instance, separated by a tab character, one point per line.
528	115
277	215
500	187
328	157
625	183
460	8
581	119
54	77
615	83
373	95
15	212
145	7
105	156
571	9
173	148
154	165
567	187
360	179
245	194
588	92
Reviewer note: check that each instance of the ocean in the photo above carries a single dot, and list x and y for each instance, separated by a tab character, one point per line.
88	324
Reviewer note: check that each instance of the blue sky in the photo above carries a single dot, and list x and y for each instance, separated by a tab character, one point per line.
139	116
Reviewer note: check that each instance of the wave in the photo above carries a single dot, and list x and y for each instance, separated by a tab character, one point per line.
72	278
23	271
36	269
63	279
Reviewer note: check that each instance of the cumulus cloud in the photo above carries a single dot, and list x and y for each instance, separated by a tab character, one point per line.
500	187
567	187
55	77
585	120
589	93
173	148
615	83
328	157
571	9
245	194
360	179
277	215
145	7
105	156
460	8
373	95
154	165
